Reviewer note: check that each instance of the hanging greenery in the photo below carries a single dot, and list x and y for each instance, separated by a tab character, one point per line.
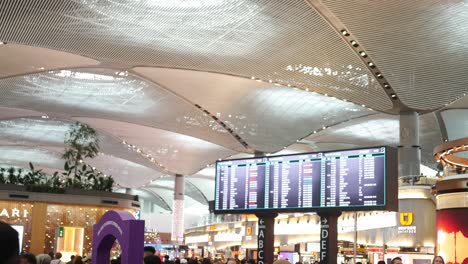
82	142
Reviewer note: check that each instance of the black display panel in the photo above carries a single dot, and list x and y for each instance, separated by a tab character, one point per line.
356	179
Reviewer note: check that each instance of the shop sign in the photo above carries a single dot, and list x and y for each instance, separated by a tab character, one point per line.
324	239
406	221
14	213
61	231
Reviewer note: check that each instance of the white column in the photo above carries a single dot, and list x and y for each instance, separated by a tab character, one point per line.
409	153
178	210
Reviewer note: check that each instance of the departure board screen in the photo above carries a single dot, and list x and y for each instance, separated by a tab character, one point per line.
357	179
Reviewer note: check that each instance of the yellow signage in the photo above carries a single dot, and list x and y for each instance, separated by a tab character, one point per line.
248	231
406	218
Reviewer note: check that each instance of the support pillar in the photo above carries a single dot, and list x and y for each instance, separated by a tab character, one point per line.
409	152
329	237
178	210
266	238
38	228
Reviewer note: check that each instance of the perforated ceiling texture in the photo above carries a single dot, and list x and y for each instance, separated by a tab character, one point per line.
174	85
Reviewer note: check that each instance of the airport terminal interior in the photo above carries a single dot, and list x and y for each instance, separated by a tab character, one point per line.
197	116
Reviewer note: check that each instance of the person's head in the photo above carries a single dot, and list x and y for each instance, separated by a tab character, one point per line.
438	260
152	259
206	261
78	260
381	262
27	259
232	261
166	258
43	259
10	243
58	255
72	257
149	250
397	260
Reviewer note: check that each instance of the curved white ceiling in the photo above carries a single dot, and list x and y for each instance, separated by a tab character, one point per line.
283	41
420	46
178	153
266	116
180	80
20	59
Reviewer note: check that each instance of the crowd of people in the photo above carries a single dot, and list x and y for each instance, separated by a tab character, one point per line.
9	254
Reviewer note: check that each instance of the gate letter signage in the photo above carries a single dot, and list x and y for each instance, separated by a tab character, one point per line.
324	240
261	241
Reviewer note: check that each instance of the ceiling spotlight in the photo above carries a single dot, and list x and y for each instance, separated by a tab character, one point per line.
253	78
345	32
379	75
2	43
307	89
393	96
386	86
363	54
354	43
371	64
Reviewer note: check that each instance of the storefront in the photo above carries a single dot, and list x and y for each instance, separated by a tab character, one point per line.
58	222
409	233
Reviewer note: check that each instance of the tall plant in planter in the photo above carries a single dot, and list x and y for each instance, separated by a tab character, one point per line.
82	142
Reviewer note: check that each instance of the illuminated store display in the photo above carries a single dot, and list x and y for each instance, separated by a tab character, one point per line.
452	235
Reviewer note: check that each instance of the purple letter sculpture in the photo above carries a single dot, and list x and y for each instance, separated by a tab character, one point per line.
120	225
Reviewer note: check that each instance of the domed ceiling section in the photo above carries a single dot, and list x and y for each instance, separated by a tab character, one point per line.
285	42
110	94
177	153
268	117
420	46
21	59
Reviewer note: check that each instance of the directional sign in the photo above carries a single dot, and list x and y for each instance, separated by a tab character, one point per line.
324	221
324	240
261	241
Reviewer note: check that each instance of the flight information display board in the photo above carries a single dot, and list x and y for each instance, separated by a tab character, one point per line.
357	179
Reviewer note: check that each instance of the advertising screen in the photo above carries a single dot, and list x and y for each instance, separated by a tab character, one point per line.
357	179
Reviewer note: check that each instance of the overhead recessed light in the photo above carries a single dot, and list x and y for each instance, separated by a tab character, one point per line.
345	32
363	54
354	43
379	75
386	86
253	78
371	64
394	96
2	43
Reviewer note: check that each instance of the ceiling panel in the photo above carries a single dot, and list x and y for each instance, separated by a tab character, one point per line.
419	45
178	153
10	113
456	123
50	133
279	41
21	59
375	130
126	173
20	156
266	116
110	94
